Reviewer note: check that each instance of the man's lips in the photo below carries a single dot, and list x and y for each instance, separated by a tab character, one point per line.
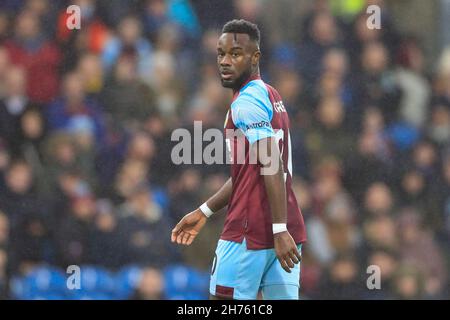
226	75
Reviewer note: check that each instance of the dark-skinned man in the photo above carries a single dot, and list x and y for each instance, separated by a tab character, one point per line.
264	223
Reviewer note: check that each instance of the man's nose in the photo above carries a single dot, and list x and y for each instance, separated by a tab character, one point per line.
225	61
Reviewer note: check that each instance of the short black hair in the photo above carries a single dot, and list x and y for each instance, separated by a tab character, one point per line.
242	26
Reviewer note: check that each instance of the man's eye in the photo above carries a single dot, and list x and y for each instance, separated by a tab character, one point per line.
235	55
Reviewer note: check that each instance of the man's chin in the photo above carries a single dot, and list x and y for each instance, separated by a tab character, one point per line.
228	84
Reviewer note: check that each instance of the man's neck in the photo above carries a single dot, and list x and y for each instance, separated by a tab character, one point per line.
255	75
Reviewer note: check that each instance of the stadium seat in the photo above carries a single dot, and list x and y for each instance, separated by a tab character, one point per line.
182	281
96	279
41	282
91	295
126	281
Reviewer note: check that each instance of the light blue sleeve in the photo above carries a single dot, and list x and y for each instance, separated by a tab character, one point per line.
252	113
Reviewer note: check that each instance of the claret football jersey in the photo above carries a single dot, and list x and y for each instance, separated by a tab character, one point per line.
257	112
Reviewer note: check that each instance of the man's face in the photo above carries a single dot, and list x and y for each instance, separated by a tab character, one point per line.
19	178
237	55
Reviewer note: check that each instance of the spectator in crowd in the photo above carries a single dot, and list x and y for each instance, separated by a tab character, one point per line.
372	159
342	280
379	231
90	69
207	104
74	110
143	224
441	192
4	158
131	174
333	229
4	65
335	78
125	97
129	41
213	13
3	274
408	283
163	76
18	199
91	38
328	136
46	12
378	200
425	159
27	216
411	80
107	242
154	17
73	235
375	84
157	14
13	105
442	77
151	285
415	191
323	33
387	262
439	125
290	86
4	26
184	193
419	248
4	263
159	130
62	155
39	56
32	244
4	230
32	131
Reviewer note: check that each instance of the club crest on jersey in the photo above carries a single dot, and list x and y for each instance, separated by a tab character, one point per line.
279	107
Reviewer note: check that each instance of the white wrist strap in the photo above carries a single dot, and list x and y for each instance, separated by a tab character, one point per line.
206	210
279	227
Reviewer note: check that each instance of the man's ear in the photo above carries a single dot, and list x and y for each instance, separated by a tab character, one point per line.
255	58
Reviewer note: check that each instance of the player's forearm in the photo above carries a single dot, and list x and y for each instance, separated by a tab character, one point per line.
272	170
276	194
220	198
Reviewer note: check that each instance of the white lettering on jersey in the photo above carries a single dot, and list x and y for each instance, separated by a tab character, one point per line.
279	135
279	107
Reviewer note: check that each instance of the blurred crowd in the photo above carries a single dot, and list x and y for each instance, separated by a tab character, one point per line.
85	140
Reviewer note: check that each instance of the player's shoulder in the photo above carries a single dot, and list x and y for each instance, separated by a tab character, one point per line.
255	89
254	93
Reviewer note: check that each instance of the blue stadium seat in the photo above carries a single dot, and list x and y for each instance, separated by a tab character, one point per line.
91	295
180	280
126	281
46	296
96	279
18	288
96	283
43	281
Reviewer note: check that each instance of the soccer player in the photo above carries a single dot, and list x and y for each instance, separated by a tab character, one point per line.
260	246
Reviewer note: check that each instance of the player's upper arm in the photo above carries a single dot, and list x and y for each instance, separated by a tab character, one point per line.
252	113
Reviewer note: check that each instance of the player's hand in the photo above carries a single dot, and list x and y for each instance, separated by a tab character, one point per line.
188	228
286	250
